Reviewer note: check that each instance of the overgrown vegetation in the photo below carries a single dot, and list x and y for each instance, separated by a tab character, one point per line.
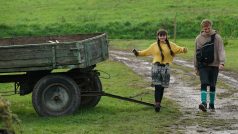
9	121
134	19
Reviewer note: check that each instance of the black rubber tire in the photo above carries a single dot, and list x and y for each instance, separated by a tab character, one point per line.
56	95
92	101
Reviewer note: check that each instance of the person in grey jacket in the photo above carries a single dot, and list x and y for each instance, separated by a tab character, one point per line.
208	72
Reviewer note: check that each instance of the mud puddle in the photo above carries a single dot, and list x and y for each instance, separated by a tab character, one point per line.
185	91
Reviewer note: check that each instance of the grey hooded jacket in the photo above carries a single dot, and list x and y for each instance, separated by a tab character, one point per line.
219	52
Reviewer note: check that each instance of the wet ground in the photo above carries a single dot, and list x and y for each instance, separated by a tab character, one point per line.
185	90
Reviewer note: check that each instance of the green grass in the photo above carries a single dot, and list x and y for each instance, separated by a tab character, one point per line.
121	19
109	116
230	49
104	11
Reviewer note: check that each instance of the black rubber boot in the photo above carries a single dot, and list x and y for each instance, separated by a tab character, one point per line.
157	107
203	107
212	107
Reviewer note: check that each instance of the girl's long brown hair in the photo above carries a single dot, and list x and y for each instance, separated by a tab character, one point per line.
164	32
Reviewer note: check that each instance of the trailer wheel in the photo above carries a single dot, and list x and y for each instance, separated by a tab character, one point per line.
93	85
55	95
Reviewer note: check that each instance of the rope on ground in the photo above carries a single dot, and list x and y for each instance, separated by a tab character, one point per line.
140	94
106	77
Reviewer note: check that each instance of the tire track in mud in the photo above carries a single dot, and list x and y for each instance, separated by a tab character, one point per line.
186	93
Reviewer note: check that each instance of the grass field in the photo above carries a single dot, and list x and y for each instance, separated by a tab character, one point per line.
104	11
231	49
128	19
121	19
109	116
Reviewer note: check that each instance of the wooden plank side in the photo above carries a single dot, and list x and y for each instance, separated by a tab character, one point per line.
26	63
64	54
101	44
71	53
66	60
104	43
93	48
66	50
24	53
24	69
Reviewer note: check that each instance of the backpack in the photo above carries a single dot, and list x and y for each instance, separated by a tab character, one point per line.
205	55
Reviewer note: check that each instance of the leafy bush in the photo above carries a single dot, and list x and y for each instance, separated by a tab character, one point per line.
7	119
124	30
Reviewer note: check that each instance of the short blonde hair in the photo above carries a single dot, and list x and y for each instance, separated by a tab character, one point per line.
206	22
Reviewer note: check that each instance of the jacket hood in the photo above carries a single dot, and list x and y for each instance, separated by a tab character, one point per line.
208	34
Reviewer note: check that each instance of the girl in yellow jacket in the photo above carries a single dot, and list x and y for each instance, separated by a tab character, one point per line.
163	52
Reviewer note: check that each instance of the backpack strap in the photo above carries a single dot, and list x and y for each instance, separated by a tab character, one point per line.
213	38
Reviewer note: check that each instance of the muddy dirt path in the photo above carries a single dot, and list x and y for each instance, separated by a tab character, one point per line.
184	89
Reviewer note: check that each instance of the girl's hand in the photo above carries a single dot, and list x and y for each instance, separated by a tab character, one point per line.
135	52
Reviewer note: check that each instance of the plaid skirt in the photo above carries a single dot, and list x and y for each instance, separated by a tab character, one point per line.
160	75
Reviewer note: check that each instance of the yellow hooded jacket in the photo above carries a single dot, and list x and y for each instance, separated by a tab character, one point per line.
154	51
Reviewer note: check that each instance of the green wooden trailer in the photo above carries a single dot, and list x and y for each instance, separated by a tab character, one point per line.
29	62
